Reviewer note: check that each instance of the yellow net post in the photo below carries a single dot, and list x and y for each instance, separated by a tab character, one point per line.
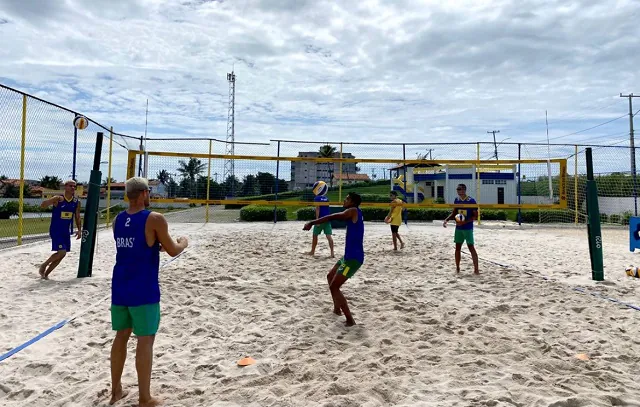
109	177
208	183
22	151
22	162
575	185
340	181
478	179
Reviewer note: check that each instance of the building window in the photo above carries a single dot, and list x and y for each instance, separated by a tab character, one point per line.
501	181
487	181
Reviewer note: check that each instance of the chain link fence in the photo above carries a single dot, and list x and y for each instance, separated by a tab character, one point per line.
40	148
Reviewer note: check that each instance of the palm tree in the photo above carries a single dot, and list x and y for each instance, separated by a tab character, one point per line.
191	170
328	151
105	181
50	182
163	176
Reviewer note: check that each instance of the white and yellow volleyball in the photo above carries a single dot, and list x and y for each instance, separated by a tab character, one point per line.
320	188
633	271
460	218
80	122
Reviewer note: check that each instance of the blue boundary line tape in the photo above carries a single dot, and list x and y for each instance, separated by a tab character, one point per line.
66	321
578	289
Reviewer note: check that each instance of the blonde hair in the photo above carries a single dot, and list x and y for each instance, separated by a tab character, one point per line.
135	186
70	181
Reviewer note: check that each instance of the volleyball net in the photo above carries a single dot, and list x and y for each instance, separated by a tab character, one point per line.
196	179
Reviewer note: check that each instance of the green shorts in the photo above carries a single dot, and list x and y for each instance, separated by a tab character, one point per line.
463	234
144	319
325	227
347	267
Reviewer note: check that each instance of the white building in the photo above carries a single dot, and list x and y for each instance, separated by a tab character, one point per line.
498	183
305	173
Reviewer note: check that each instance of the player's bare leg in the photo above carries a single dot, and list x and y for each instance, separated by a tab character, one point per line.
458	255
52	265
330	277
474	256
330	240
118	358
314	243
336	283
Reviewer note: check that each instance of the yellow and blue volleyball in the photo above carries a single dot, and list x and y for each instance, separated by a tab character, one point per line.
460	217
320	188
633	271
80	122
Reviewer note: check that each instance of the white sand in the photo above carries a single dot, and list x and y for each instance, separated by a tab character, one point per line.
425	337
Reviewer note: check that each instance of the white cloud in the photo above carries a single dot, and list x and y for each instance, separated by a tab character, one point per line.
403	71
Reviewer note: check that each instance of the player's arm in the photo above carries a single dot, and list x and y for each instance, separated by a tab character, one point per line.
348	214
78	220
51	201
451	215
317	212
161	230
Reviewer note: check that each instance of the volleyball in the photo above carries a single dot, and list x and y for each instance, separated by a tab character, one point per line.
633	271
80	122
460	218
320	188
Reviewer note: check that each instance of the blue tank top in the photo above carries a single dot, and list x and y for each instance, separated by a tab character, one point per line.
62	216
135	275
354	249
324	210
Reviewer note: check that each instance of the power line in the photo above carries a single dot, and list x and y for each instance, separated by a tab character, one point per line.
590	128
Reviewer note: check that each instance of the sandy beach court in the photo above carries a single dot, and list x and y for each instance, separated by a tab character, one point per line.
424	335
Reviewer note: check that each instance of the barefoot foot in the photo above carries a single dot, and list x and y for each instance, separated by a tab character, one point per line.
117	395
337	311
350	323
152	402
41	270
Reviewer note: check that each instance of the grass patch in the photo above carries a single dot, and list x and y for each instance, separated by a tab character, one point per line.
34	226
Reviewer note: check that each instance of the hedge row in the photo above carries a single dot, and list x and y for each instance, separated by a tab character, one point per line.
255	213
416	214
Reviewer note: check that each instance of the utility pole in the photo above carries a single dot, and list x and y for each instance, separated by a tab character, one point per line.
229	164
495	146
633	149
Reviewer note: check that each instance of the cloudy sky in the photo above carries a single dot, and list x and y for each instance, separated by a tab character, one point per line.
405	70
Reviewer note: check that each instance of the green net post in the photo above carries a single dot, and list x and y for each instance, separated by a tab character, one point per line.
90	224
593	224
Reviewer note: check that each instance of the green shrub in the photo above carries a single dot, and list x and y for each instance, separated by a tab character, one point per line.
427	214
626	217
615	218
547	216
306	214
9	209
488	214
254	213
375	198
374	214
604	218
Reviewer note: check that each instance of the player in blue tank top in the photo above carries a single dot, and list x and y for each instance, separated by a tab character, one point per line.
353	258
140	235
321	211
66	207
464	229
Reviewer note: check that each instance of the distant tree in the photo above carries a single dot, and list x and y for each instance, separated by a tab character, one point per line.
328	151
191	169
163	176
50	182
105	181
250	186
